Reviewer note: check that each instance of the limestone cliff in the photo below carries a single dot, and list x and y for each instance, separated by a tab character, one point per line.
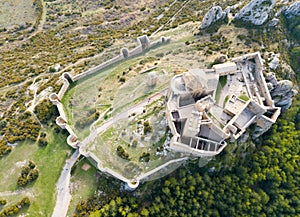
282	92
292	11
256	12
212	16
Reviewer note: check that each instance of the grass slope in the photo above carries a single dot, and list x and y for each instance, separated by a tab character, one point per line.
49	160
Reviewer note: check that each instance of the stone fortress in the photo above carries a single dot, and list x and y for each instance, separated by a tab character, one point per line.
143	45
202	113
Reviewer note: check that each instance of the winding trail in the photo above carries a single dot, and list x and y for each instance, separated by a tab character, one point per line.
42	21
17	192
138	108
171	19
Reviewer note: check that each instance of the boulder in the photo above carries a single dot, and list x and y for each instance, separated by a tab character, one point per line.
283	93
212	16
221	59
255	12
274	61
271	78
286	71
273	22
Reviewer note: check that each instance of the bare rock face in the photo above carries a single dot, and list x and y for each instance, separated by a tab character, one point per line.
255	12
293	10
282	92
274	61
212	16
257	132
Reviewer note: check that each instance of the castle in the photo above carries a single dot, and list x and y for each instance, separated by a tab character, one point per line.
202	113
205	107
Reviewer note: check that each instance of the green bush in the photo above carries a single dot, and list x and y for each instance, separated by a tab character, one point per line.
145	157
28	174
3	202
122	153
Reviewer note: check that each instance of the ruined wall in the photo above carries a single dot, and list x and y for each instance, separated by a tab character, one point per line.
143	44
61	121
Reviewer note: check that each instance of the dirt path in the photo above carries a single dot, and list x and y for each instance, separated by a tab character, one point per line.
64	197
138	108
17	192
42	21
171	19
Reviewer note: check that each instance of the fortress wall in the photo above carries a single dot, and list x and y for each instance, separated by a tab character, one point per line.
135	51
160	168
170	120
72	140
104	169
247	56
63	89
264	122
155	43
99	67
70	131
54	98
249	123
61	122
61	111
276	114
231	122
179	147
260	78
160	41
264	89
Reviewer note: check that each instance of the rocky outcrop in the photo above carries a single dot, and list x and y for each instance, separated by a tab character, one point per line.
292	11
212	16
274	61
282	92
256	12
286	71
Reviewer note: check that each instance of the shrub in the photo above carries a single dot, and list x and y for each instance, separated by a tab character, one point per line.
122	153
147	127
145	157
28	174
3	202
134	143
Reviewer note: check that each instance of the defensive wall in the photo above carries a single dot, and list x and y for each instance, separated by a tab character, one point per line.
144	44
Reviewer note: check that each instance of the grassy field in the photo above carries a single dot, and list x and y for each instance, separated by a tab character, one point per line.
83	184
49	160
16	12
